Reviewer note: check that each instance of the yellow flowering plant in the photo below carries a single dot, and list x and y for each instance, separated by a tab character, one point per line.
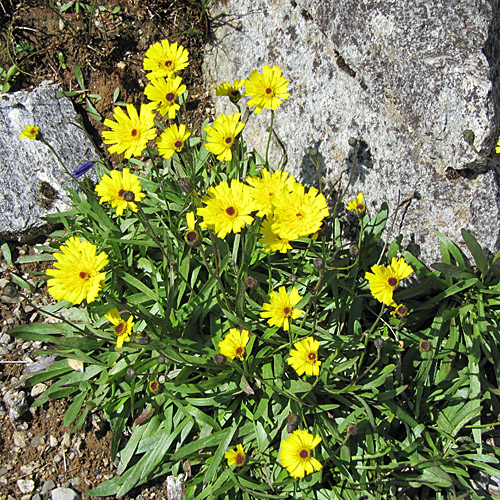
252	338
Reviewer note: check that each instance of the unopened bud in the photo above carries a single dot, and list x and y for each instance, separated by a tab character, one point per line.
379	342
186	185
161	360
220	359
352	142
252	282
352	429
143	339
130	372
354	250
292	278
318	263
469	137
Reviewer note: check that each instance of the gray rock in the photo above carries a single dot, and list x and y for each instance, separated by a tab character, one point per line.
47	487
65	494
38	389
405	79
26	485
16	403
36	496
32	181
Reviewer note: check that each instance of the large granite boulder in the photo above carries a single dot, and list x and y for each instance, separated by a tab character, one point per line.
403	78
33	183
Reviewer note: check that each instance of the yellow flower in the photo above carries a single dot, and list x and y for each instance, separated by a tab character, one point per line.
304	358
228	208
271	241
172	140
295	454
164	92
192	237
268	187
400	310
231	91
154	386
298	214
235	457
77	273
383	280
29	132
222	134
122	328
120	190
130	134
281	308
164	58
234	343
357	204
498	146
267	89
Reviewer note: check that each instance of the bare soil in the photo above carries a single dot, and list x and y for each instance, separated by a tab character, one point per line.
45	42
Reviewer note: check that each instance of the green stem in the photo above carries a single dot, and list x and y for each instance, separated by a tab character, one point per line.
269	138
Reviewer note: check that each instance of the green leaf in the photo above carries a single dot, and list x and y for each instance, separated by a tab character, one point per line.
74	408
79	76
476	251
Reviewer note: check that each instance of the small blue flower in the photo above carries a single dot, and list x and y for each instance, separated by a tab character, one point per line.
82	169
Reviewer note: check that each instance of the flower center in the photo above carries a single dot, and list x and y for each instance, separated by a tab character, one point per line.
269	91
192	236
119	329
392	282
360	207
120	193
304	454
168	64
230	211
402	310
170	97
271	195
228	140
134	132
287	311
298	215
178	145
235	93
240	459
239	351
83	275
311	356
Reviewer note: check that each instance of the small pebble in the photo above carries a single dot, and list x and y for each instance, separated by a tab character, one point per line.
19	439
26	485
65	494
52	442
47	487
38	389
26	469
66	441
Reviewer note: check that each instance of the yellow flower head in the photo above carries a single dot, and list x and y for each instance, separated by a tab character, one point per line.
304	358
295	454
231	91
235	457
29	132
122	328
281	308
130	134
271	241
77	274
357	204
120	190
383	280
227	208
234	343
299	214
172	140
192	237
266	90
164	58
400	310
154	386
222	135
164	92
268	187
498	146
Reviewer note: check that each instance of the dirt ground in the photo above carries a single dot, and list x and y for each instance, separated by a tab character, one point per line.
44	40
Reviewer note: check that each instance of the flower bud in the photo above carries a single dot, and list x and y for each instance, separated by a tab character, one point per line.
220	359
161	360
425	346
354	250
193	238
318	263
469	137
252	282
130	372
292	422
352	429
352	142
292	278
379	342
143	339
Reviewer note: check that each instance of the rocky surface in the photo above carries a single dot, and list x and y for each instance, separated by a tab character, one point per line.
33	182
404	79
